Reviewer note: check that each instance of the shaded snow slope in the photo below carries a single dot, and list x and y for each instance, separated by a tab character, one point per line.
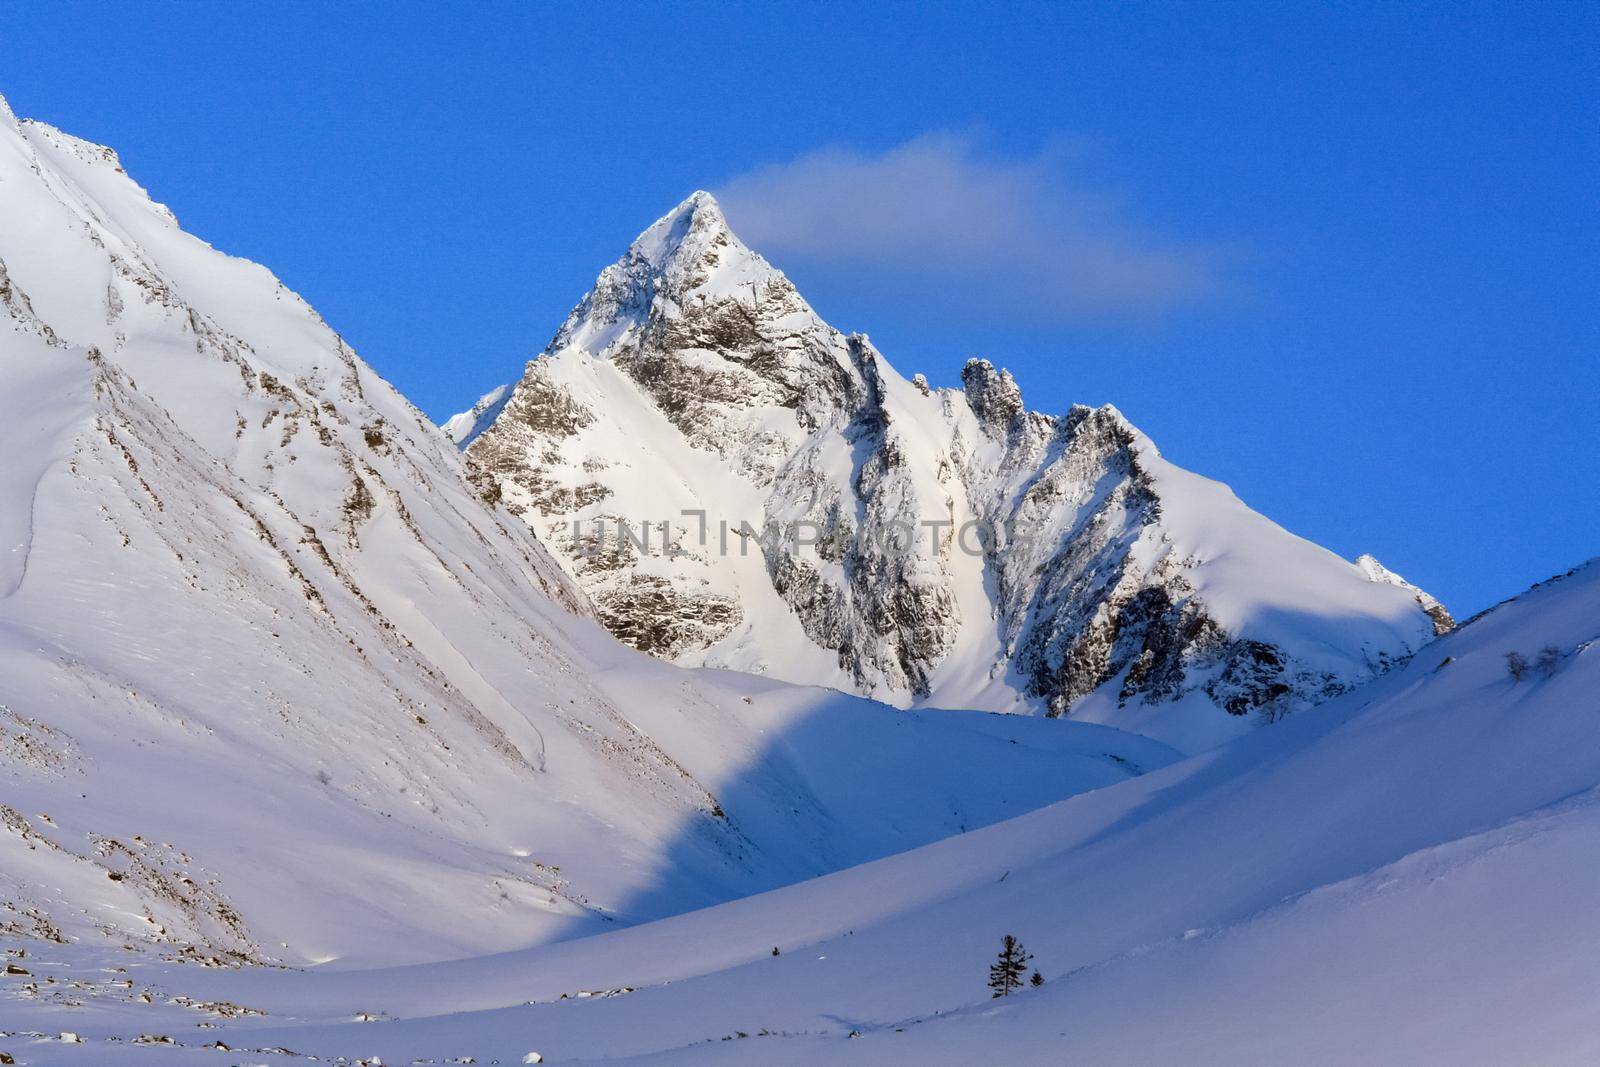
795	507
1406	877
276	685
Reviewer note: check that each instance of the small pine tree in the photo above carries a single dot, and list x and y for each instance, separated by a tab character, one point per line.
1516	665
1037	980
1005	973
1549	659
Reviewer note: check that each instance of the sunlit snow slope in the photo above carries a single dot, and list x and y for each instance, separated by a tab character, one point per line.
1406	876
277	685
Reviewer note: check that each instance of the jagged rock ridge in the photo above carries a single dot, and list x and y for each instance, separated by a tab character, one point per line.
929	546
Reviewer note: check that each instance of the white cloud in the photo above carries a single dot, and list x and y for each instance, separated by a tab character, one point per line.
981	235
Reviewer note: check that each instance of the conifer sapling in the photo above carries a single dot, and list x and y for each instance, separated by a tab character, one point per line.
1005	974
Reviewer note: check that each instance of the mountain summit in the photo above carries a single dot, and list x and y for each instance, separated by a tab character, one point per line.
735	483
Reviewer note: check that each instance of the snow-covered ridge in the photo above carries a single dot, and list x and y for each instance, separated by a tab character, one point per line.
1443	622
276	684
1058	563
465	427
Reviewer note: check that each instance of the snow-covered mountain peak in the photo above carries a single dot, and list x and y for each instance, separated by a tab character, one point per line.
698	257
685	231
941	546
686	261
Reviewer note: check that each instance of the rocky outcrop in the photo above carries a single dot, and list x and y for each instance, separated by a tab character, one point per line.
993	396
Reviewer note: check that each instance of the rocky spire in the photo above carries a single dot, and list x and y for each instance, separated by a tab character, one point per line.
993	396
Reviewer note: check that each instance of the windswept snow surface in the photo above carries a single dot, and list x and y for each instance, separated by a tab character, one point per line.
927	547
1407	876
276	685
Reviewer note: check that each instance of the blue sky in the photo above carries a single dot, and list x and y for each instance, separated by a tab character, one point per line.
1345	257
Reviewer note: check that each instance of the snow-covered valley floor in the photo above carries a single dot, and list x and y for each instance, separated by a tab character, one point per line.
1405	876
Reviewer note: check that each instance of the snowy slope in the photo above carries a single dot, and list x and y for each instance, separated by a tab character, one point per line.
927	547
1406	877
276	685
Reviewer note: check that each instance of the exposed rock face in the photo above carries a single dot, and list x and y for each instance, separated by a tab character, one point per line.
788	503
